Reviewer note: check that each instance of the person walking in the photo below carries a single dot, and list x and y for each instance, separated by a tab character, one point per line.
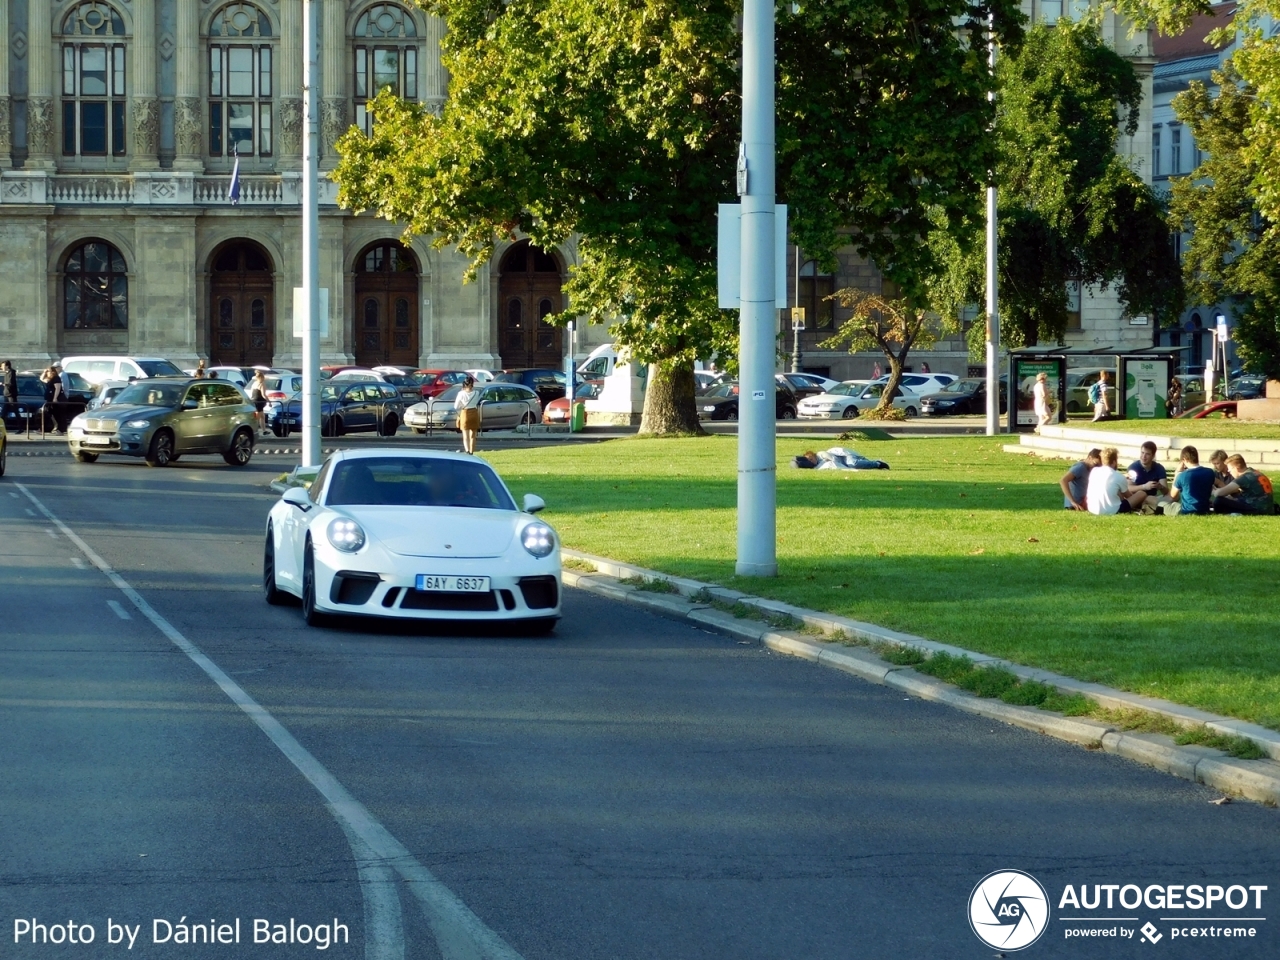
1100	399
1043	405
10	389
467	403
200	370
258	394
51	411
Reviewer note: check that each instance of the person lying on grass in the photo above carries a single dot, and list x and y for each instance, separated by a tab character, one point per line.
1248	492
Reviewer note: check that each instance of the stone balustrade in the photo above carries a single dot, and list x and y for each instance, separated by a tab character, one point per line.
155	188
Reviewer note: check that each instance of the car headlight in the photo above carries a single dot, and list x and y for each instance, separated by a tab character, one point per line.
79	422
138	424
538	539
346	535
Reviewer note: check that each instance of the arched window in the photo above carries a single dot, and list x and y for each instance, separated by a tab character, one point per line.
813	287
240	82
93	82
95	288
385	55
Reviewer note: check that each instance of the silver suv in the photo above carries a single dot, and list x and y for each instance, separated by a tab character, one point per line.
160	419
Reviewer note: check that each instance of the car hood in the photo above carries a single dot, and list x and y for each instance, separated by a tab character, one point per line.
462	532
827	398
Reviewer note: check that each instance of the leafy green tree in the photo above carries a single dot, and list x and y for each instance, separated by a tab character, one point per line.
1070	208
618	121
1257	64
1233	252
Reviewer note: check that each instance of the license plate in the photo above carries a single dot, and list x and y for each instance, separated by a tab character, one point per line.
100	441
428	581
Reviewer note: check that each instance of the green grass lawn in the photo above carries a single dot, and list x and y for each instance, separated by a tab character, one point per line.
959	542
1227	428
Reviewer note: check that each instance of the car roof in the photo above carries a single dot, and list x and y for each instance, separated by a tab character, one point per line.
365	453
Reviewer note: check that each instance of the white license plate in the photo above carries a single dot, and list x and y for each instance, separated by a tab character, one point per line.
99	441
428	581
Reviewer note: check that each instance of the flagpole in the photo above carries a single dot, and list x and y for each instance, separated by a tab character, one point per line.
311	452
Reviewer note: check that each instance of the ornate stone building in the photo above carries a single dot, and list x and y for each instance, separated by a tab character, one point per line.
120	124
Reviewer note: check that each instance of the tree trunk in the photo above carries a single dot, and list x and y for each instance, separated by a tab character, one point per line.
670	407
895	378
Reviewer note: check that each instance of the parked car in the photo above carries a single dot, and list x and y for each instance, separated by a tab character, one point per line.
1247	387
416	535
283	386
29	406
557	411
432	383
97	369
163	419
1202	410
481	376
240	376
704	380
801	385
835	403
1078	384
824	383
963	396
845	406
547	383
408	385
721	402
106	392
345	407
921	383
503	406
1192	390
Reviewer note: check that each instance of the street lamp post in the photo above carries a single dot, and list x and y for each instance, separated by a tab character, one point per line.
311	451
993	300
757	467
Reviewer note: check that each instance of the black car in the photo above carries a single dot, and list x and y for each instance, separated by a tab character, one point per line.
961	396
721	402
31	403
345	407
547	382
1247	387
801	386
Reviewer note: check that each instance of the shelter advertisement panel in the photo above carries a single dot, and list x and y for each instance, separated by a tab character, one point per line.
1024	379
1145	389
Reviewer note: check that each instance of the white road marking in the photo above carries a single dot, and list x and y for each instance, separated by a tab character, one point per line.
78	564
30	512
14	495
118	610
459	933
51	532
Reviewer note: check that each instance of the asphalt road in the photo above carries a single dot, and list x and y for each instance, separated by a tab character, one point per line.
627	788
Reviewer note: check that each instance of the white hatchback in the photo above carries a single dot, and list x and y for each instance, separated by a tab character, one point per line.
849	399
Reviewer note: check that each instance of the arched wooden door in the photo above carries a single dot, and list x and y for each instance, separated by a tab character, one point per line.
242	314
529	289
385	330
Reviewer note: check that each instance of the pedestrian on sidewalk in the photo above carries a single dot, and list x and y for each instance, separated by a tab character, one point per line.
1100	399
258	395
1043	405
10	389
467	403
51	411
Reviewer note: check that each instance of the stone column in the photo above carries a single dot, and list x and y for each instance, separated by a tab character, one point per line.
6	137
333	65
188	115
144	143
290	84
40	125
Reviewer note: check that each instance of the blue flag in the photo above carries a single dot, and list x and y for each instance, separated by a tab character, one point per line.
233	191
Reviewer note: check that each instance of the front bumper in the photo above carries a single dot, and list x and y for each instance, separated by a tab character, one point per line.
832	414
129	443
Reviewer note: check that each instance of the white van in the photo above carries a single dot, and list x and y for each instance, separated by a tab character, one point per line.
97	369
599	363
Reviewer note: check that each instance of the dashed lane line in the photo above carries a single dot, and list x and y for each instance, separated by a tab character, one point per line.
379	856
118	610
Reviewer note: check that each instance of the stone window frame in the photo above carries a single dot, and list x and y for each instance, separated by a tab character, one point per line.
112	34
259	35
364	47
78	278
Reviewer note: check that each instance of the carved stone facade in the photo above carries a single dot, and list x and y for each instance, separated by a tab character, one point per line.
188	121
6	132
290	127
39	126
146	126
333	124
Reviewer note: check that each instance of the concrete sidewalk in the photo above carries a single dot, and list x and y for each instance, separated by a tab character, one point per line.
1253	779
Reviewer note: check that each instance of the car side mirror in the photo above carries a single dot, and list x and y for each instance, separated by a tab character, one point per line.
190	404
299	497
533	503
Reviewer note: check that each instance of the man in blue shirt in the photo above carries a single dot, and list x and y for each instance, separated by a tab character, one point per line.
1148	476
1192	484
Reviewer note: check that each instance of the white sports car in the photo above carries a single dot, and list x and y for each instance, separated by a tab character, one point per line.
414	534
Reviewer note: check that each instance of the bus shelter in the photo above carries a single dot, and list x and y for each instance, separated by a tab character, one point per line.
1139	381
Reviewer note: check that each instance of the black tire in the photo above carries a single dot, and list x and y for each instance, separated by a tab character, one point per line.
280	432
788	413
273	595
326	427
175	458
336	427
527	420
161	452
241	451
82	457
389	426
732	415
310	615
849	413
1073	407
912	412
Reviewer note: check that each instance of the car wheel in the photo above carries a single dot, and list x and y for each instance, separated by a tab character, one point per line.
849	413
731	415
82	457
912	412
327	427
1073	407
419	430
788	413
389	426
527	420
336	428
241	448
273	596
161	452
280	432
312	616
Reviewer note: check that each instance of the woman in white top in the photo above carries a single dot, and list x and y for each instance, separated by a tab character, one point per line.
467	403
1044	408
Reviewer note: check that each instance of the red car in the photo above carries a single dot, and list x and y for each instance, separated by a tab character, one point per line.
436	382
557	411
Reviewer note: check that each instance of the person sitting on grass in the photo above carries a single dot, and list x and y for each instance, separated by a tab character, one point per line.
1248	492
1075	482
1222	475
1148	476
1192	485
1108	490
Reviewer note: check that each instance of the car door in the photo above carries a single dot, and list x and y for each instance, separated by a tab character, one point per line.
353	408
196	420
230	415
495	408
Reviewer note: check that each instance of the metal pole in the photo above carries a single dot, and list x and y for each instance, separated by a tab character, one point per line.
311	451
569	365
757	467
993	303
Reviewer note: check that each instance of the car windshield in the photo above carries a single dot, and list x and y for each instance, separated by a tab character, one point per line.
723	390
400	380
417	482
147	394
963	386
451	393
845	390
158	368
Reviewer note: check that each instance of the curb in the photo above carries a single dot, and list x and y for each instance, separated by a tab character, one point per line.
1257	780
